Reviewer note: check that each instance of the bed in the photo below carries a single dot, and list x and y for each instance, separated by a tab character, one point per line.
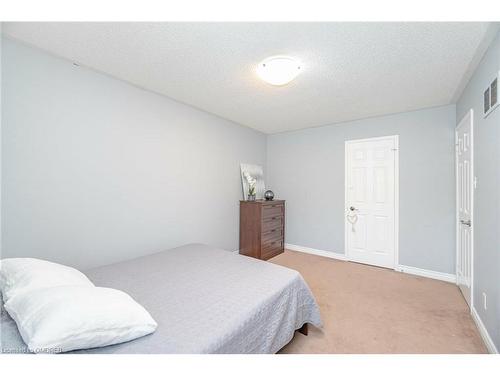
205	300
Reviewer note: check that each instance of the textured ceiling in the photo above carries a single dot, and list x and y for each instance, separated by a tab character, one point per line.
350	70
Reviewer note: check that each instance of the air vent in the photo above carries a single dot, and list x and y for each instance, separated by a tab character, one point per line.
494	93
490	97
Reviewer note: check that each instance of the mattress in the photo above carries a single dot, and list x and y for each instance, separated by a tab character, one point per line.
205	300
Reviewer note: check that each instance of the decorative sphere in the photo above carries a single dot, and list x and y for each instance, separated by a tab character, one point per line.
269	195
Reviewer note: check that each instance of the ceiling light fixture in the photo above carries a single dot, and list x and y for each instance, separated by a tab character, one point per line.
278	70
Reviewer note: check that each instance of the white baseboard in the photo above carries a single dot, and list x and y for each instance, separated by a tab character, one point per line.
400	268
448	277
484	332
309	250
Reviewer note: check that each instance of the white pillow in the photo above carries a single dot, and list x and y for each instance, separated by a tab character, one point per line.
65	318
21	275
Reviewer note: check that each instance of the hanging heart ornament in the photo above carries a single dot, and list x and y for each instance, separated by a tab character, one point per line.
352	219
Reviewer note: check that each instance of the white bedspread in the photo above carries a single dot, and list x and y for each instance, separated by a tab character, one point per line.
207	300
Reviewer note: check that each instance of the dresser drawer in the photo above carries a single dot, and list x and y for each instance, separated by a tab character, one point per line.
271	249
272	236
271	223
272	211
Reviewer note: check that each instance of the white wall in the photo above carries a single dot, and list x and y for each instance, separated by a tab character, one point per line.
487	194
307	169
96	170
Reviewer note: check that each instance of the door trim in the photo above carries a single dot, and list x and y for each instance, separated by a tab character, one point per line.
396	191
470	114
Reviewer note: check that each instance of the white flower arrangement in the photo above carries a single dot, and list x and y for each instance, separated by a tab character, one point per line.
251	183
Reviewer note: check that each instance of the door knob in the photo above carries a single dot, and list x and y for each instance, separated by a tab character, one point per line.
352	208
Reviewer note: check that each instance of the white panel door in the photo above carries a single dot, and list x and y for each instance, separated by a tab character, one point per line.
465	200
370	211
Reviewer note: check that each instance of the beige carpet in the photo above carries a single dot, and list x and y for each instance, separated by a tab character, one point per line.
374	310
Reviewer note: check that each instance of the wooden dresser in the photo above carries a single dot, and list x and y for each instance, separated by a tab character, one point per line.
262	228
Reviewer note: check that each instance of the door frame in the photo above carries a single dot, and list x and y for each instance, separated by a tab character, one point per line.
395	138
470	113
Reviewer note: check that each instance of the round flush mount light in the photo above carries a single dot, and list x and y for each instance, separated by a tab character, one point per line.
278	70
